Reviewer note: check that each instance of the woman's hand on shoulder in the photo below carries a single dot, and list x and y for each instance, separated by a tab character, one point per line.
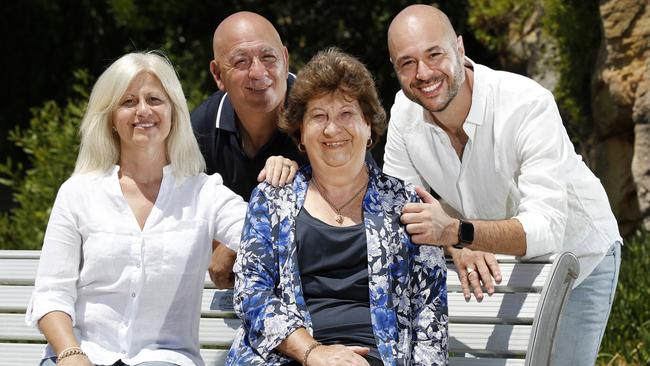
278	171
76	360
336	355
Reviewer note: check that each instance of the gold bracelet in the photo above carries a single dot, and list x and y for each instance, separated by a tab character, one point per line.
70	351
308	352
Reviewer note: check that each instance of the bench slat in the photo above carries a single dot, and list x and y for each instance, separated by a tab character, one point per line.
18	271
492	338
20	354
516	276
498	308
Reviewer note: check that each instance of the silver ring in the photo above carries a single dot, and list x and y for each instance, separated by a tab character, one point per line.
469	271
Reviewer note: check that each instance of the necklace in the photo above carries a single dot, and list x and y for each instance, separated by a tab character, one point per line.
339	217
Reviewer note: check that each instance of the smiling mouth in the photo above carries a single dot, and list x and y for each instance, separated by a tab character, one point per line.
144	125
334	145
259	89
431	89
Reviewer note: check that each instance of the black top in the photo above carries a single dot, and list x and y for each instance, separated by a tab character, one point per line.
215	127
333	264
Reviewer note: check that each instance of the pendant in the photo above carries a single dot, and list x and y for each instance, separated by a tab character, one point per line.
339	219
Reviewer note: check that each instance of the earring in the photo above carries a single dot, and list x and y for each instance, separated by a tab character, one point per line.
369	143
114	129
301	147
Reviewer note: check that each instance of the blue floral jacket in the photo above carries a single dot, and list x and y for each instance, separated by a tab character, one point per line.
408	293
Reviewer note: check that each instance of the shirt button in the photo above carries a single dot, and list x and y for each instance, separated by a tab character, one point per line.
137	265
132	294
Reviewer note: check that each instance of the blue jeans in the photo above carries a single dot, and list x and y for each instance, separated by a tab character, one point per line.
52	362
584	317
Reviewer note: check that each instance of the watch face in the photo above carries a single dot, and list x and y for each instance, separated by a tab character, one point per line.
466	232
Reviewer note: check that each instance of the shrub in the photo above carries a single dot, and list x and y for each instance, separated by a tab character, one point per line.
627	338
51	143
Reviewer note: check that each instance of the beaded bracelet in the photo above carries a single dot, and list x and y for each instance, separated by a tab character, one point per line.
70	351
308	351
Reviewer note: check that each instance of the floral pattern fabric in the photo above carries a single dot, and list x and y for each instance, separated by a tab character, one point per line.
407	282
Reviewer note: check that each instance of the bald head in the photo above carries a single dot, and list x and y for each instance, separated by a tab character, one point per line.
242	27
428	58
415	21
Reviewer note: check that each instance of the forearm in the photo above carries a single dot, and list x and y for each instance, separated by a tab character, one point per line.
296	344
499	237
57	329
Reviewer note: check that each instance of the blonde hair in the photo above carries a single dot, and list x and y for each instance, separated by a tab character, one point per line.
100	148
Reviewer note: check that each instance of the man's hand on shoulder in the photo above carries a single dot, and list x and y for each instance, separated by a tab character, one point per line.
428	223
278	171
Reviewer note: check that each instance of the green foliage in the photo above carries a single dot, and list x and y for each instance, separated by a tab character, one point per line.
491	20
575	25
627	339
51	143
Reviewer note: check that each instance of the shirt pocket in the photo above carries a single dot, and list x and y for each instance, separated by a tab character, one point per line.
105	252
186	247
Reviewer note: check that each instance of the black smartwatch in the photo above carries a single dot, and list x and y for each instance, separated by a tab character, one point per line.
465	234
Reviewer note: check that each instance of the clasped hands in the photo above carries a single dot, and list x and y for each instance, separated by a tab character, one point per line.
428	223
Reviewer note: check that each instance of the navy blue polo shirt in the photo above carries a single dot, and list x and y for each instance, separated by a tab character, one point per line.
215	127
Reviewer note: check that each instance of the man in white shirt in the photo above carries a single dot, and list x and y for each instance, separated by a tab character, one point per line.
493	146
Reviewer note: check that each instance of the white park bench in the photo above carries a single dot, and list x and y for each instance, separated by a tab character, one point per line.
515	326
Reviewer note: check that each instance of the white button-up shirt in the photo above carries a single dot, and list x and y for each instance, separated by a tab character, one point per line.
518	163
133	294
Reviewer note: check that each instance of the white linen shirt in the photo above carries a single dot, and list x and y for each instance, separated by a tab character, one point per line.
133	294
518	163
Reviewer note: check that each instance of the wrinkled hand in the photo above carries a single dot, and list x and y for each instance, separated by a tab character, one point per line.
221	263
484	270
76	360
278	171
428	223
336	355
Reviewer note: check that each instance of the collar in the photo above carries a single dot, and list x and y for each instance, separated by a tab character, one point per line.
477	109
226	116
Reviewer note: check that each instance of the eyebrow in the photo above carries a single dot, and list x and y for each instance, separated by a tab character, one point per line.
244	51
428	50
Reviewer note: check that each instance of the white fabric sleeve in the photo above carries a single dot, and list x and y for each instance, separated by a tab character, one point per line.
396	157
229	221
58	269
542	147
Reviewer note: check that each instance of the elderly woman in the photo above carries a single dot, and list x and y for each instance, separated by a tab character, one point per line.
129	238
326	273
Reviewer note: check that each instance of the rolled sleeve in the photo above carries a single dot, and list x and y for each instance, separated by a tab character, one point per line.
543	147
58	269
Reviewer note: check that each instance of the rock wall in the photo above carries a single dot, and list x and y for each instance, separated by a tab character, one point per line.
618	146
621	110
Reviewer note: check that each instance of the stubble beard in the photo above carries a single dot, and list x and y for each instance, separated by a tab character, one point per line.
454	87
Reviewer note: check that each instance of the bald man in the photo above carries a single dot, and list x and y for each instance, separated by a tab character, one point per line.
236	127
492	145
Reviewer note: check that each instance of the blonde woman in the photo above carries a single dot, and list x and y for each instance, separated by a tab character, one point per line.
129	238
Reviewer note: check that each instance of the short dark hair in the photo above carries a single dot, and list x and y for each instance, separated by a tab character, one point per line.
328	72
